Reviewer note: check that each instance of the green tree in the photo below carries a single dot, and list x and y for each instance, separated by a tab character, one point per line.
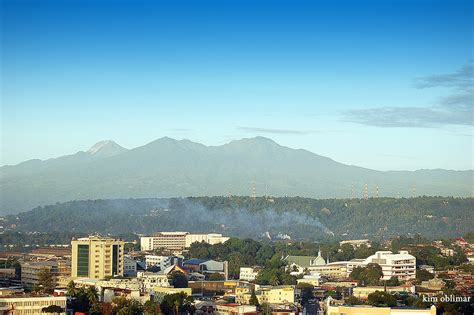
151	308
380	299
52	309
369	275
178	280
423	275
46	281
393	281
177	303
253	298
352	300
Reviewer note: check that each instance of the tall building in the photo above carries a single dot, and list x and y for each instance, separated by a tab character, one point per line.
97	257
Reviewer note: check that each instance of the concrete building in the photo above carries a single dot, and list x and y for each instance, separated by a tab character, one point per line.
162	262
207	266
283	294
363	292
356	243
177	242
312	279
248	273
401	265
236	309
30	304
129	266
212	238
370	310
97	257
30	271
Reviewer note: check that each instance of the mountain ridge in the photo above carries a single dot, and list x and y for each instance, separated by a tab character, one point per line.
168	167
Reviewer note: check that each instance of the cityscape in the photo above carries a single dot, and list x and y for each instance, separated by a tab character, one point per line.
236	157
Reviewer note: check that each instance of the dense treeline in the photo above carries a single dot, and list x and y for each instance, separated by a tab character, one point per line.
299	218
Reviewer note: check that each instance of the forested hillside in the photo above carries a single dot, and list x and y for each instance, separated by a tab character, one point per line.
298	218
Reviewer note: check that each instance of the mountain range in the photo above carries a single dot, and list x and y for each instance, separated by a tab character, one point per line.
171	168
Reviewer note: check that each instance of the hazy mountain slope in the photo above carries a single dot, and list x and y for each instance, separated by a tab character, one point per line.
301	218
167	167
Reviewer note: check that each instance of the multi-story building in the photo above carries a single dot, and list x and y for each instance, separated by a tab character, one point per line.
249	273
283	294
97	257
30	270
162	262
401	265
30	304
212	238
129	266
176	242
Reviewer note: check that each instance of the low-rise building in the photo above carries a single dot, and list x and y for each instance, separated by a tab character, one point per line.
356	243
162	262
363	292
129	266
206	266
249	273
283	294
30	304
312	278
236	309
371	310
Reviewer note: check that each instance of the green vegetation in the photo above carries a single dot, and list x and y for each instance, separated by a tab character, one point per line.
46	283
381	299
177	303
300	218
178	279
369	275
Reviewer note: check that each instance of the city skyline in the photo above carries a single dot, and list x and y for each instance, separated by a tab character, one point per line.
386	86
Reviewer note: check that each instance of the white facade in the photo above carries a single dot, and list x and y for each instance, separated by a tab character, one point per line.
248	273
29	305
212	239
401	265
146	243
160	261
176	242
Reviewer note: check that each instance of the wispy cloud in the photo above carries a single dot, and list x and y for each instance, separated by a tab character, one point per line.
462	79
454	109
275	131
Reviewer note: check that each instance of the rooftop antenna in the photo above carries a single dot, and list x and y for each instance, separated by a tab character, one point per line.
366	192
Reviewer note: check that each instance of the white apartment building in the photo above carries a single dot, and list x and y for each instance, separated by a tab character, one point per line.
248	273
212	238
162	262
401	265
176	242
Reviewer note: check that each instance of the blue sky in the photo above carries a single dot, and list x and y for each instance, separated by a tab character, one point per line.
380	84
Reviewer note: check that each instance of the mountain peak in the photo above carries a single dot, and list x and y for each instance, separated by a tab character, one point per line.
106	148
